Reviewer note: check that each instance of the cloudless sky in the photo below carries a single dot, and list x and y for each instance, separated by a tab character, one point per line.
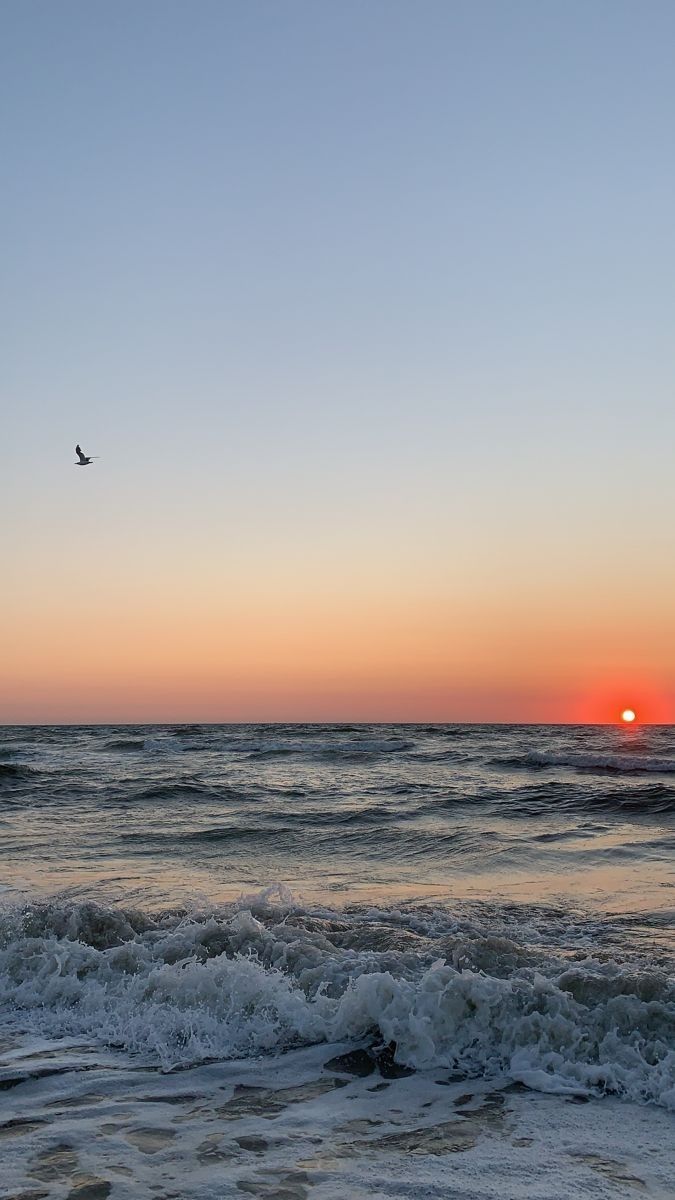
367	308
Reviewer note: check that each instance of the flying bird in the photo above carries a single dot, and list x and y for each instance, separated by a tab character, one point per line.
84	461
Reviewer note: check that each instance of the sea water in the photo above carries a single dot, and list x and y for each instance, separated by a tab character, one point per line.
315	961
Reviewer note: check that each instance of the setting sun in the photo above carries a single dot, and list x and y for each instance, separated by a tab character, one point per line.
628	715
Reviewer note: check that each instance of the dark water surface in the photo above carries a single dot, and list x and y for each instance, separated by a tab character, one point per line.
485	899
165	812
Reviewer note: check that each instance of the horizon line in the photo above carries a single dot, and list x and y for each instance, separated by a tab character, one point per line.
339	723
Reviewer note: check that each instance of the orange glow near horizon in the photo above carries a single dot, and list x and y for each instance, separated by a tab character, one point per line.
241	644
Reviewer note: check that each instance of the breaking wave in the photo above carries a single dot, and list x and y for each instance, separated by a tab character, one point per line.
258	978
613	764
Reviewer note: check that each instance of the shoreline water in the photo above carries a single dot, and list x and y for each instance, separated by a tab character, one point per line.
491	910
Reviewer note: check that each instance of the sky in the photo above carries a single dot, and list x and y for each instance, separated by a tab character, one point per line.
367	308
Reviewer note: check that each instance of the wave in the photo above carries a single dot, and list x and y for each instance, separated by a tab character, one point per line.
433	756
651	798
558	796
16	771
346	751
170	744
595	763
175	791
259	979
445	731
216	833
262	752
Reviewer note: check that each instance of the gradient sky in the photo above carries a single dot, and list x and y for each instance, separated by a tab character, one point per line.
367	307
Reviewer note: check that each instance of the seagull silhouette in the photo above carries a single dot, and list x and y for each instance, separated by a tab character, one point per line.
84	461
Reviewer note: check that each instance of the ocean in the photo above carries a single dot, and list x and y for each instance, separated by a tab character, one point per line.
310	962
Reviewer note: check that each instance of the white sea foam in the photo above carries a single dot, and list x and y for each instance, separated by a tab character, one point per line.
295	1127
181	991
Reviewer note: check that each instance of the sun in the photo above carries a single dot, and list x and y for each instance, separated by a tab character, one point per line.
628	715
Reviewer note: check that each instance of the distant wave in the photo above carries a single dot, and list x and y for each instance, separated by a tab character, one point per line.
215	833
558	795
236	833
446	731
16	771
450	755
263	752
176	790
652	798
614	764
341	751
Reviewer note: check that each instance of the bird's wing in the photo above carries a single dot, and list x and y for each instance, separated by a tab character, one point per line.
79	454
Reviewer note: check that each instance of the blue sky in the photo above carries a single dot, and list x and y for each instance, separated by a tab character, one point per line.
376	292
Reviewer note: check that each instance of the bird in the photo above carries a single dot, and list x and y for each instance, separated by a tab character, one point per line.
84	461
